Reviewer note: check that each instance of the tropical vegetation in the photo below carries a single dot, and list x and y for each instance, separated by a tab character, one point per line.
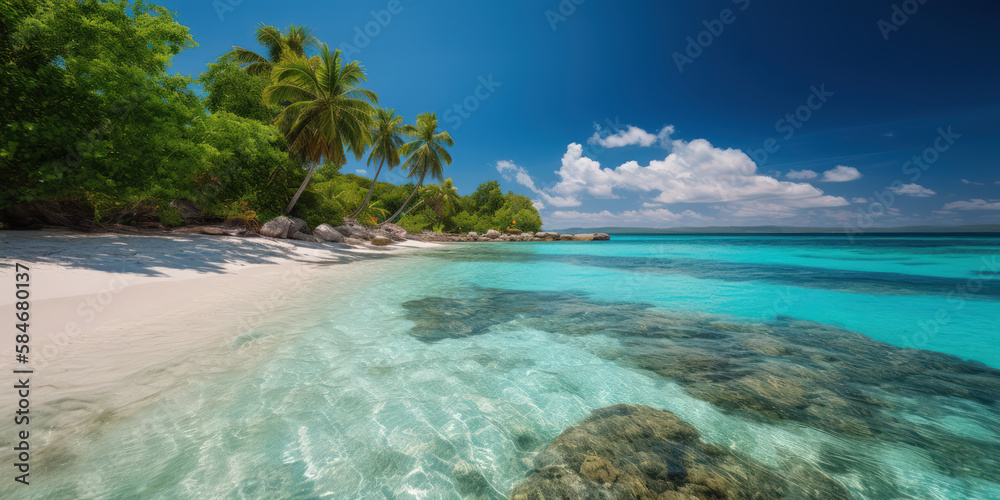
97	131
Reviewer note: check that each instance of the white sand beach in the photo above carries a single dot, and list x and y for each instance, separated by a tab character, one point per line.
106	306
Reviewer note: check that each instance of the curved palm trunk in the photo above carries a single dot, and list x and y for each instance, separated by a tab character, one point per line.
415	205
301	189
365	203
419	184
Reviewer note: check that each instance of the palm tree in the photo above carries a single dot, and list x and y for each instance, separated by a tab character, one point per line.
385	144
327	112
293	43
426	153
442	197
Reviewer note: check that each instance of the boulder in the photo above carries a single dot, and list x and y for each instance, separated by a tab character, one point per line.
187	209
602	237
211	230
565	237
393	232
305	237
492	234
541	234
473	234
278	227
381	241
356	230
328	233
343	230
300	226
354	241
514	231
583	237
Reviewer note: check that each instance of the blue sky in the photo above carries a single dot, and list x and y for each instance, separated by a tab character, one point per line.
681	113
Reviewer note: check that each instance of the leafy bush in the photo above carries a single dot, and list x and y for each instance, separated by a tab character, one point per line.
169	216
316	207
415	222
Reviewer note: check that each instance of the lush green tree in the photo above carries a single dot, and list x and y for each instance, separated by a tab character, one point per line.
517	212
385	142
426	153
487	198
229	88
293	43
328	112
87	103
248	163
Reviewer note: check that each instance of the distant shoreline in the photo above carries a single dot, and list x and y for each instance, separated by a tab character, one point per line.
983	229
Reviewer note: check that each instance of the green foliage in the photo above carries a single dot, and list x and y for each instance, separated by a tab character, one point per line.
512	211
247	162
90	115
317	208
88	101
517	212
415	222
170	216
230	88
486	199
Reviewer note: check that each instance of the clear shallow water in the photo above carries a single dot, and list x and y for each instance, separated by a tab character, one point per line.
444	373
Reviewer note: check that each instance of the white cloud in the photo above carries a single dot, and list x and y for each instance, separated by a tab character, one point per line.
692	172
631	136
975	204
974	183
841	173
512	172
914	190
801	174
655	217
538	204
360	171
860	200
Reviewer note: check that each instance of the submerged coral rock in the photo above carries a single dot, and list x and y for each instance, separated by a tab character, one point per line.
785	370
627	451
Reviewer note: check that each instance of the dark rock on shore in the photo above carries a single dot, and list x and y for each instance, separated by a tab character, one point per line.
278	227
327	233
639	452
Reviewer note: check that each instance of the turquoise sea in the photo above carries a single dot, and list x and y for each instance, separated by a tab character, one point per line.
815	366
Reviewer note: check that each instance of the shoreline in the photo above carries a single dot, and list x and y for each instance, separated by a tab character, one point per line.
104	307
